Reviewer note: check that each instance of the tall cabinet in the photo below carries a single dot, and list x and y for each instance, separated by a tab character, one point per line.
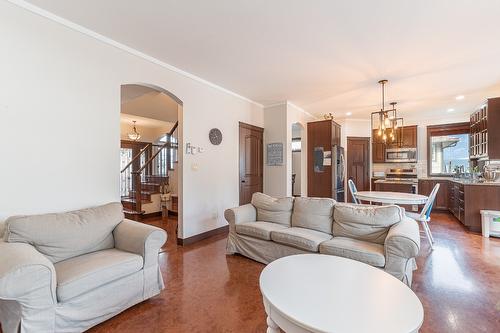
321	134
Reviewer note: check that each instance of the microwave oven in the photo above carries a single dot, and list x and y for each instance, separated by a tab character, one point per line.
401	155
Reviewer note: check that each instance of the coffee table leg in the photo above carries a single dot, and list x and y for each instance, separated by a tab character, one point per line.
271	326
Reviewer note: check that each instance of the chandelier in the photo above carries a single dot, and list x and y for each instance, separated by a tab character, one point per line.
386	125
134	136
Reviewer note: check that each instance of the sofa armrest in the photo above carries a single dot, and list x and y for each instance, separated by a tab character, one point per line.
403	239
139	238
245	213
26	275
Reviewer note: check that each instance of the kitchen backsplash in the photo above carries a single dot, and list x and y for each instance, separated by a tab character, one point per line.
420	165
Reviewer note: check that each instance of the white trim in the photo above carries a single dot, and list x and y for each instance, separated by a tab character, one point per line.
76	27
288	103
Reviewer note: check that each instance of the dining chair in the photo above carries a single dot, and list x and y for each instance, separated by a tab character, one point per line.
353	189
425	215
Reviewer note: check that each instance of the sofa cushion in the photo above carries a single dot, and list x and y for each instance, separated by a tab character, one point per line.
313	213
274	210
259	229
301	238
364	222
81	274
369	253
62	236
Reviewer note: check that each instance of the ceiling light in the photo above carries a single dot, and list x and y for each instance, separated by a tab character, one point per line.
348	114
451	110
134	136
459	97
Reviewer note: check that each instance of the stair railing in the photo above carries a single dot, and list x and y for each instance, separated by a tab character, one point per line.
137	174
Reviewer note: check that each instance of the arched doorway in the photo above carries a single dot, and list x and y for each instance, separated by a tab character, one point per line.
151	155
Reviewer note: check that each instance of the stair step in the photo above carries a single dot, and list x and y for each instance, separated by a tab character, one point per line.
131	212
132	200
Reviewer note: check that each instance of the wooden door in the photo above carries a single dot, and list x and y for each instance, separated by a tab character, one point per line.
251	161
319	138
358	163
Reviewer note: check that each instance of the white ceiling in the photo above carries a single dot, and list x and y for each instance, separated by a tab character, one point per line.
322	55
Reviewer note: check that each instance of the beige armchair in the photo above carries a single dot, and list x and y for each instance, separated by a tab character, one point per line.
70	271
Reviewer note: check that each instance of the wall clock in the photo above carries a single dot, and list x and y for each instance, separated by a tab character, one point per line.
215	136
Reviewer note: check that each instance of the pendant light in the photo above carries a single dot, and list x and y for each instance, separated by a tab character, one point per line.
134	136
385	122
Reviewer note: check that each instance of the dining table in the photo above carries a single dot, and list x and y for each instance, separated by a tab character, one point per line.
394	198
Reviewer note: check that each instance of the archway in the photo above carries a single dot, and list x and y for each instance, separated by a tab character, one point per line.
151	154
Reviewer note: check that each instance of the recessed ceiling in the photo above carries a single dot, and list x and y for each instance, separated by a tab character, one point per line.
322	55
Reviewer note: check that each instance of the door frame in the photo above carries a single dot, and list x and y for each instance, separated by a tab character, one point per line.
368	162
254	128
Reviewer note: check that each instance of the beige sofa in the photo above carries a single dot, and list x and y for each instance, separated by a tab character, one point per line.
67	272
270	228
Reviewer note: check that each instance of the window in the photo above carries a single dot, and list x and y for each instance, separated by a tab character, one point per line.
448	148
296	144
171	151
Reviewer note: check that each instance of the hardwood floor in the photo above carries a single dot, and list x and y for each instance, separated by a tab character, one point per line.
207	291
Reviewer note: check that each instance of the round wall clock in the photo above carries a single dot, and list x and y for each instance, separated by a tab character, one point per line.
215	136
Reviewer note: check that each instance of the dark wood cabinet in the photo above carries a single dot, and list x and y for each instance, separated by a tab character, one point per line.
425	188
408	140
464	201
409	136
378	149
484	140
336	133
325	134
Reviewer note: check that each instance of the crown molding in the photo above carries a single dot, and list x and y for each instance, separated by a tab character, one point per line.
88	32
287	103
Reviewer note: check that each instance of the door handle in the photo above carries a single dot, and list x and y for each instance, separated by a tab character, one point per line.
243	181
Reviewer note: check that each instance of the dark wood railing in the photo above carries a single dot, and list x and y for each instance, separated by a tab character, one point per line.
132	179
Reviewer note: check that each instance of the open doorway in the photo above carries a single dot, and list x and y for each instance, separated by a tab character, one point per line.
298	162
150	165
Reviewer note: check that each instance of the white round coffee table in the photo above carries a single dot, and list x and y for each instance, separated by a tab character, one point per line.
323	293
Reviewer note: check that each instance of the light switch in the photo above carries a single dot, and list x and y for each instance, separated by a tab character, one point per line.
194	167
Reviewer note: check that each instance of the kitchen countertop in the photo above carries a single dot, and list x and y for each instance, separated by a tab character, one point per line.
462	181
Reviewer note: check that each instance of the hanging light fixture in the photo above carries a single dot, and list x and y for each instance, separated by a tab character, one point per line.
385	123
134	136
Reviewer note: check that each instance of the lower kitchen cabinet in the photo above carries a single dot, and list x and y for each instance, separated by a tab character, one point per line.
395	187
464	201
425	187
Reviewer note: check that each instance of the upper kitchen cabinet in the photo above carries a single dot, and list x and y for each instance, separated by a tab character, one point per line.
336	133
378	148
484	134
408	137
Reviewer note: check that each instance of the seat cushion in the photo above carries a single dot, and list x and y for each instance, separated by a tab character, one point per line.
365	222
271	209
369	253
61	236
259	229
313	213
301	238
81	274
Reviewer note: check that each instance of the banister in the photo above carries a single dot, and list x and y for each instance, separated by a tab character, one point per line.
136	157
166	144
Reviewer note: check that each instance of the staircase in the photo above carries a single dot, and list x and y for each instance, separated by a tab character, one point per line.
145	176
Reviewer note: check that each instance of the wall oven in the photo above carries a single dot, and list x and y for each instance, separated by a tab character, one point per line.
401	155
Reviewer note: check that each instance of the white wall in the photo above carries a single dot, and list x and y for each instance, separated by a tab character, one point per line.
60	107
275	131
278	120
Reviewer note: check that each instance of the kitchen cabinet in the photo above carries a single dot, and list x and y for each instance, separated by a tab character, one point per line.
336	133
425	188
484	139
465	201
378	148
408	140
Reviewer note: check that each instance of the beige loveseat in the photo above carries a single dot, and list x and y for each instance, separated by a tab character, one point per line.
67	272
270	228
